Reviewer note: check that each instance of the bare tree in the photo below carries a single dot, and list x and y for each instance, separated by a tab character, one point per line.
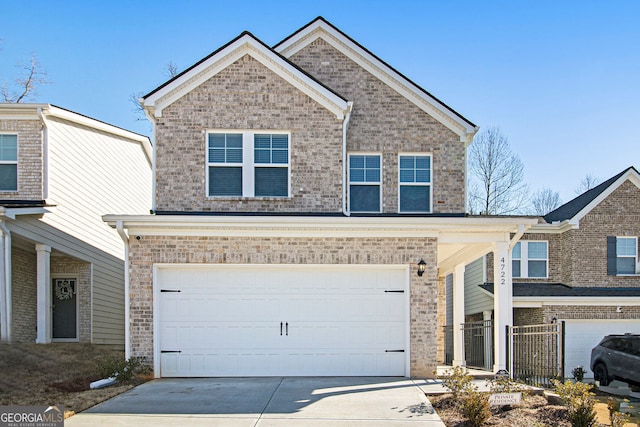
587	183
544	201
31	77
496	175
170	70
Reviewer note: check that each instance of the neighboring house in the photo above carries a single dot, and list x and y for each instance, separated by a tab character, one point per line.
580	265
309	201
61	267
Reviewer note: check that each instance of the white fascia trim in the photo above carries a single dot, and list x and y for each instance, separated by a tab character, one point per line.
245	45
12	213
384	73
631	175
554	228
536	302
200	225
21	111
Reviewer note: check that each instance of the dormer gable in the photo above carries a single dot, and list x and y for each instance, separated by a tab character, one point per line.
245	44
320	28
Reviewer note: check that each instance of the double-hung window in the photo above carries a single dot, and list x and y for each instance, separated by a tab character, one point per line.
248	164
8	162
622	255
364	183
415	183
530	259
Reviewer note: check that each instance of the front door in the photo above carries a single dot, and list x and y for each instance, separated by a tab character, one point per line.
64	297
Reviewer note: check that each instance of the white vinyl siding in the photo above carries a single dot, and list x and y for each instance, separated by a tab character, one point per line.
8	162
365	192
530	259
248	164
93	173
414	183
476	300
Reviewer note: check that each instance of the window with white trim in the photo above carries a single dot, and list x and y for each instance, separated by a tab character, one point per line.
414	183
364	183
247	164
622	256
530	259
8	162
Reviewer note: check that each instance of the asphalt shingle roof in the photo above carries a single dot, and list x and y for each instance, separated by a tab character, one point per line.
560	290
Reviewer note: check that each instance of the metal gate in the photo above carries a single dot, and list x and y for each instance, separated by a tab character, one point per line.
478	344
535	353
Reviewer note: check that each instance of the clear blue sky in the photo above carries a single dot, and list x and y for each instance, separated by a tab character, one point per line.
560	78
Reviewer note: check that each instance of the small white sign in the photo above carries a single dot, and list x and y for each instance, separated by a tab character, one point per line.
501	399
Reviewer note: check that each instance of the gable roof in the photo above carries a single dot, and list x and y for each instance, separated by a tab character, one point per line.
577	208
321	28
245	44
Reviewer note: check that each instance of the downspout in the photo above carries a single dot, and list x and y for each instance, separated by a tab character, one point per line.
345	125
5	310
152	119
127	332
45	155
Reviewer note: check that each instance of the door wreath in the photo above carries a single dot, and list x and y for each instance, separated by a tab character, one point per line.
64	289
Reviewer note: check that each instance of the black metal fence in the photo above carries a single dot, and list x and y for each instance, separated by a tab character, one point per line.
535	353
478	344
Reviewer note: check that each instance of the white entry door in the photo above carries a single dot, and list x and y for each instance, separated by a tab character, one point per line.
286	320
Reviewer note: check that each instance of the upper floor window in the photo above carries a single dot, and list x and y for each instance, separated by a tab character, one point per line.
364	183
622	257
248	164
415	183
8	162
529	259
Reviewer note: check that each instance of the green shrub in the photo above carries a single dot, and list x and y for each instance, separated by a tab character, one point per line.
457	380
124	369
506	385
579	399
475	407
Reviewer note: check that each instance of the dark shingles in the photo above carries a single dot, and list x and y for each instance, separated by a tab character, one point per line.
560	290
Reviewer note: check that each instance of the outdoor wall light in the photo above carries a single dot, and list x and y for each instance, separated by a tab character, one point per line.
421	266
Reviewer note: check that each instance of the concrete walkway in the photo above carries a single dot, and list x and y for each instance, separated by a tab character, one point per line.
263	402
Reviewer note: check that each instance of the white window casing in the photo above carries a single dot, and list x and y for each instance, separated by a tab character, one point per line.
529	257
415	175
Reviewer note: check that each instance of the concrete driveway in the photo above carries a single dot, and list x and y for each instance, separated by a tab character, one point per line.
262	402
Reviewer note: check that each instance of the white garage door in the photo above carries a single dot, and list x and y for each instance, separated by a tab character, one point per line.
582	335
272	321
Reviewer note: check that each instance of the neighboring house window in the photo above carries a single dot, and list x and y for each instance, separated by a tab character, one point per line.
415	183
622	257
364	183
8	162
529	259
248	164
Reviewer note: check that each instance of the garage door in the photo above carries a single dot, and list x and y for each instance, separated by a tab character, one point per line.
582	335
289	321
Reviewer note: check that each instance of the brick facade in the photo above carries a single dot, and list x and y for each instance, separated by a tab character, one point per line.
23	293
383	121
280	250
30	157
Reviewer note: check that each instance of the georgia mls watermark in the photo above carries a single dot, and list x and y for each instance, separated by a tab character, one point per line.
31	416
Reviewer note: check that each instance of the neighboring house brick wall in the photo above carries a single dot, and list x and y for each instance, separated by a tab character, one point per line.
67	267
528	316
279	250
386	122
29	159
24	294
561	312
617	215
248	96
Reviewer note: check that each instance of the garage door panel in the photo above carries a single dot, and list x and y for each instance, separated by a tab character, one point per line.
335	321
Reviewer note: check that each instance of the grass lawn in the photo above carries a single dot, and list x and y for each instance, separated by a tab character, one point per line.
55	374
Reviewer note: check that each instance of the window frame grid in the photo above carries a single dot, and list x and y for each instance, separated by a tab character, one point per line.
635	257
378	183
429	184
12	162
525	259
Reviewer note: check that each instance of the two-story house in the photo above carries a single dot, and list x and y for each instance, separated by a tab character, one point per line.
61	267
579	265
309	201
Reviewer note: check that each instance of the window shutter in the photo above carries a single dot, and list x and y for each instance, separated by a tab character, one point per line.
612	257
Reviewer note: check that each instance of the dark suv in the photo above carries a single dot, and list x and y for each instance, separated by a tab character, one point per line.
617	357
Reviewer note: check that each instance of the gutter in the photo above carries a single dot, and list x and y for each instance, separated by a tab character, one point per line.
151	119
5	298
345	125
45	154
127	298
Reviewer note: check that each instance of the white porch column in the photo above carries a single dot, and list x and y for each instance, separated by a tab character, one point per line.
43	254
458	316
502	302
5	283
